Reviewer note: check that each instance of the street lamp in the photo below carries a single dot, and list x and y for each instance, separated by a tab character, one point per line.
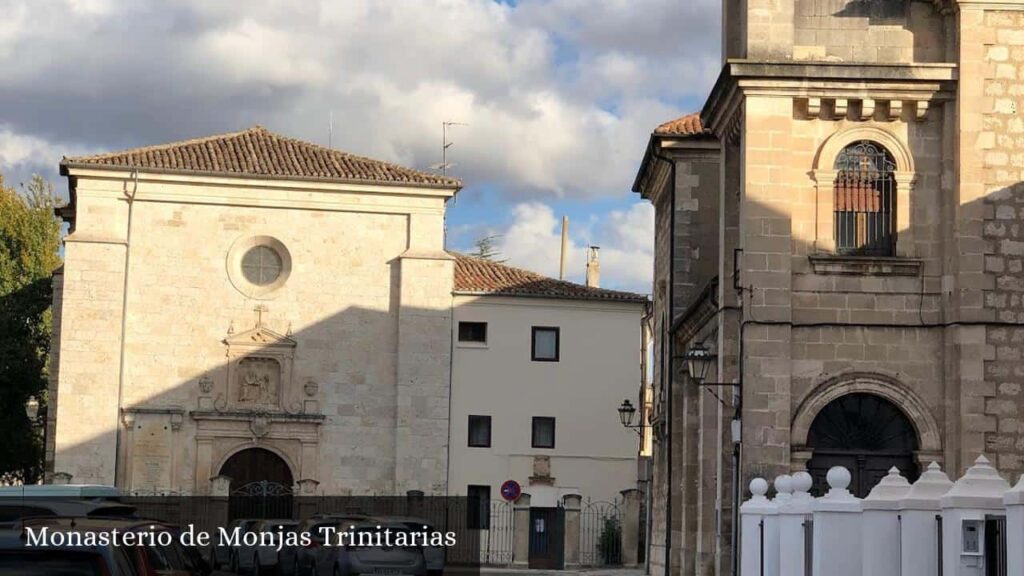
698	362
626	413
32	408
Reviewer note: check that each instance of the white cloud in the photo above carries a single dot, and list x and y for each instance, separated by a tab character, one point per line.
533	241
560	95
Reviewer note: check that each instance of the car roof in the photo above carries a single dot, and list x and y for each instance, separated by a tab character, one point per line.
61	490
92	523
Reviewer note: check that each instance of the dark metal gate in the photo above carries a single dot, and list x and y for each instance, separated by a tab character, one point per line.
601	534
261	499
995	545
547	538
496	541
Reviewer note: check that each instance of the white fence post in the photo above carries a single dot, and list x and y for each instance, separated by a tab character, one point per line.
881	535
793	515
979	492
837	528
919	523
1014	501
754	559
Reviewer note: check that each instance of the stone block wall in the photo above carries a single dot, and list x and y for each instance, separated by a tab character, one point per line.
999	146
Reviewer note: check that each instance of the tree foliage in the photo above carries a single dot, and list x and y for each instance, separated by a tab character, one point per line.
29	253
487	248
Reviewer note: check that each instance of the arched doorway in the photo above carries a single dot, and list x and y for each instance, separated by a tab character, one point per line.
865	433
261	484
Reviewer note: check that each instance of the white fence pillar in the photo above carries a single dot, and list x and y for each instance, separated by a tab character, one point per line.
919	524
881	531
837	528
978	493
793	517
1014	501
759	548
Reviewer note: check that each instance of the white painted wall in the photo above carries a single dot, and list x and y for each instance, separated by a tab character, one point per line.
599	366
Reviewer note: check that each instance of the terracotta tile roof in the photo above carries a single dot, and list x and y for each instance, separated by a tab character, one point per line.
259	152
479	276
689	125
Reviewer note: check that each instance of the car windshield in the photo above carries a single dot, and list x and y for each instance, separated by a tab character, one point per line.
52	563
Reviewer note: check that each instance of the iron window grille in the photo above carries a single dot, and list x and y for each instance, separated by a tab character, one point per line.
865	201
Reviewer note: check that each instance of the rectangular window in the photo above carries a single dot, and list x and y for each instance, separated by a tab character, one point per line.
478	509
479	431
543	432
473	332
545	345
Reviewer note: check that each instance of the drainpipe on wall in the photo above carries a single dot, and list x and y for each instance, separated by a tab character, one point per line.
130	198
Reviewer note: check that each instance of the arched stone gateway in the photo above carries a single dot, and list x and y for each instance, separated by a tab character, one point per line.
866	434
867	422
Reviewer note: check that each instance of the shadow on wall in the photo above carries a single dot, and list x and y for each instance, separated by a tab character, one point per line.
334	403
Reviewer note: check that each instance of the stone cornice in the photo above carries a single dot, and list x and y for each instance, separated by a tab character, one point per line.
946	6
824	80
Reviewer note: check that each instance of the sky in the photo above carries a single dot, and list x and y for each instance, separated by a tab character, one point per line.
558	98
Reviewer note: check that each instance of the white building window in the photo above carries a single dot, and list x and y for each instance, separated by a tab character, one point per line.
475	332
479	431
543	432
545	345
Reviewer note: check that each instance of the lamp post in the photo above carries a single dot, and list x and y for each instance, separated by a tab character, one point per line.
32	409
35	422
698	362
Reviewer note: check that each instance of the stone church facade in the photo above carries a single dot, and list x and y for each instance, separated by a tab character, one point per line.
840	228
253	306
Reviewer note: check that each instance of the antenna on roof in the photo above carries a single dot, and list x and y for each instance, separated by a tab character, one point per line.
330	130
444	165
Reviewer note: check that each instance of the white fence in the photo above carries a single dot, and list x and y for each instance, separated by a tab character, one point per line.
934	527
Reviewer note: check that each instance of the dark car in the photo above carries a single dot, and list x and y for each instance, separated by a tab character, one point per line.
17	557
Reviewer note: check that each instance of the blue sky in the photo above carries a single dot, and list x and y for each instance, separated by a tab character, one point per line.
559	96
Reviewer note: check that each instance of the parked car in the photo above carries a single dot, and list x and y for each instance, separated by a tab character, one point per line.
68	560
355	559
434	556
288	556
14	508
17	558
221	556
263	559
307	558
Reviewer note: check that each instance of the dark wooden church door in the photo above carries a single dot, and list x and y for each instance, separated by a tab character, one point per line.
261	484
865	433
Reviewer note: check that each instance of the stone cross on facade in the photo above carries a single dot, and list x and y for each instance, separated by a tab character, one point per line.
259	310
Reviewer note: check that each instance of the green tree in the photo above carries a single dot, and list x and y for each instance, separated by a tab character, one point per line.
29	245
486	248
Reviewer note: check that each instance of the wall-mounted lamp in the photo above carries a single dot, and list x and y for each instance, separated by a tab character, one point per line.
626	413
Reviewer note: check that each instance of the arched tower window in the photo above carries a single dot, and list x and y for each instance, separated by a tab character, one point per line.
865	200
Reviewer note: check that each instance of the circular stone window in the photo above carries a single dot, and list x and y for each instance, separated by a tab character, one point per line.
261	265
258	265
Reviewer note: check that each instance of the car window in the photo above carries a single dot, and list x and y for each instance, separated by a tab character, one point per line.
13	512
62	563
